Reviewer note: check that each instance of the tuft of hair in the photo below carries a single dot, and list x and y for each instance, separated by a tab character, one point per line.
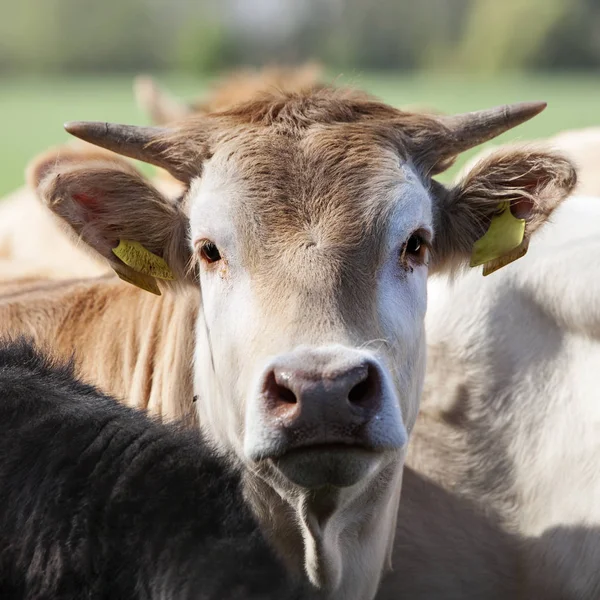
244	85
301	109
292	113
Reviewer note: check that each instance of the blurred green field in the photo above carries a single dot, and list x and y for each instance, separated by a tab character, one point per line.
32	110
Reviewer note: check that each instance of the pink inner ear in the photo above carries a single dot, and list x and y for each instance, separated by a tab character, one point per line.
86	200
521	208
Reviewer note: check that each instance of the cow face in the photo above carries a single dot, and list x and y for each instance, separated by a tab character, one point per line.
312	259
309	226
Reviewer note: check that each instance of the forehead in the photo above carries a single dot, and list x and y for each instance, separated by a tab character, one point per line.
334	185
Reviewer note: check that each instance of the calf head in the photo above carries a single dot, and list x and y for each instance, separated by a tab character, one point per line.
309	226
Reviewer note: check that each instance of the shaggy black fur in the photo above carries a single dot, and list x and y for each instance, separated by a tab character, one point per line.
97	501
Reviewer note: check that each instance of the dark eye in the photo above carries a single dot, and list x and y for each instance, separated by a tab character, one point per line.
414	244
415	249
210	253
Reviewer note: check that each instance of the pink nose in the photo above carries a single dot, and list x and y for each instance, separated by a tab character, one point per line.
338	400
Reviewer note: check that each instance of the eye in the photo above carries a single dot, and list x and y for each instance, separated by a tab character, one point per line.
414	244
416	249
209	252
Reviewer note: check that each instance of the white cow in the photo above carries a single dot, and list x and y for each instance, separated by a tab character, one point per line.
512	385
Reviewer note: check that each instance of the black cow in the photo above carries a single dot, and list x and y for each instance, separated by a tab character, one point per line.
97	501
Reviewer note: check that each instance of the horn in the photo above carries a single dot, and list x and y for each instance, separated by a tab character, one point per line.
160	105
142	143
471	129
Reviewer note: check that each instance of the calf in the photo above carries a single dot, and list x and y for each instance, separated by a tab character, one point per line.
305	231
98	501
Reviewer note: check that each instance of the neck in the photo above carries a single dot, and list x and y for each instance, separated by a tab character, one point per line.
341	539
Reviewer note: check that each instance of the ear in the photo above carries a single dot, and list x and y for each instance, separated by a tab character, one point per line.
533	181
107	203
75	151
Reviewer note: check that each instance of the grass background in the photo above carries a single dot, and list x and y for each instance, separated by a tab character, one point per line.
32	110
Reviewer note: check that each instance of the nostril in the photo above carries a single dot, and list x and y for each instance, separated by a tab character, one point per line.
364	393
286	395
359	392
277	391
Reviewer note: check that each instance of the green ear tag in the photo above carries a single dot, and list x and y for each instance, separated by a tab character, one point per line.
503	236
134	255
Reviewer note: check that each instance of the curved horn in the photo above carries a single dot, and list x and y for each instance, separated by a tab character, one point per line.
142	143
471	129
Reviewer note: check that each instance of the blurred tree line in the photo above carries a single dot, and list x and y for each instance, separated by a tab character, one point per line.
206	35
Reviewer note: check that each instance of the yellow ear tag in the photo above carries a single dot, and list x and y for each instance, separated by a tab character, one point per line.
502	243
134	255
518	252
146	283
